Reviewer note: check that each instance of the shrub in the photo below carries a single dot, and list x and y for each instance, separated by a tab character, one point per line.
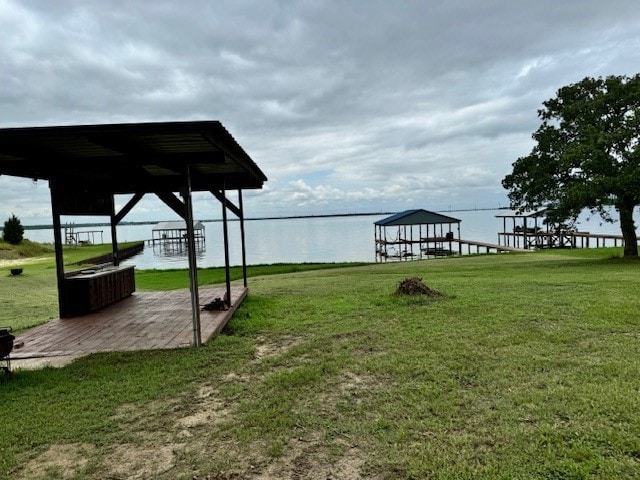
13	231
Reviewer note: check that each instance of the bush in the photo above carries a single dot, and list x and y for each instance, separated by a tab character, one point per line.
13	232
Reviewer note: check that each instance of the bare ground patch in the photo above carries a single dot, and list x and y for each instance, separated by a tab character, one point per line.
271	347
62	461
210	410
312	460
352	386
135	461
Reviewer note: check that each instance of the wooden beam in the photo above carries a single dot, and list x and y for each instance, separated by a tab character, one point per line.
128	207
225	201
174	203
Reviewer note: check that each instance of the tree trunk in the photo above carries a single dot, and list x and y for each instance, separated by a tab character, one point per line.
628	229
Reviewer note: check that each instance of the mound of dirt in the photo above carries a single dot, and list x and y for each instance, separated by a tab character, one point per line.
414	286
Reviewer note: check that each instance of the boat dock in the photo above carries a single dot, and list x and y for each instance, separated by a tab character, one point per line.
427	247
540	239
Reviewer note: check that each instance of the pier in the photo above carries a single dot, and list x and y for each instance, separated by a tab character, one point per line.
429	247
530	231
488	247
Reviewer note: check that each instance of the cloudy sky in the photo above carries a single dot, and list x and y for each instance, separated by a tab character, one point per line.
347	106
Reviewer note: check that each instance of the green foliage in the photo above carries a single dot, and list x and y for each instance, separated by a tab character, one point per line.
587	154
13	231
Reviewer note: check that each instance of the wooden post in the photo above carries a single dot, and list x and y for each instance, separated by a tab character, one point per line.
411	239
244	249
386	250
114	237
57	239
225	230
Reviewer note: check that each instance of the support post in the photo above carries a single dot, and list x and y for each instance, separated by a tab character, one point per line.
244	249
57	239
193	268
225	229
114	237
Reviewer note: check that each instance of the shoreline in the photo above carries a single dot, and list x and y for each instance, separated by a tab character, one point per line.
255	219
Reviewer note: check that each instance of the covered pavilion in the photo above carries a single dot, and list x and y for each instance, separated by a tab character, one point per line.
416	234
87	165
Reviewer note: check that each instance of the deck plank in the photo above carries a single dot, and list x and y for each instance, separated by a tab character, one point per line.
144	321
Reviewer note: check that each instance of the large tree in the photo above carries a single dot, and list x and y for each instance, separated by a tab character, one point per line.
586	156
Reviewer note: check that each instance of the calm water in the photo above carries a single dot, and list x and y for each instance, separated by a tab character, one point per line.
332	239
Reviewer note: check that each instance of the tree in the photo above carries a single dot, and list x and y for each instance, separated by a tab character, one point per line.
586	156
13	231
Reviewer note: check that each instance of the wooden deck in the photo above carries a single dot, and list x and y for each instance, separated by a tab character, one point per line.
143	321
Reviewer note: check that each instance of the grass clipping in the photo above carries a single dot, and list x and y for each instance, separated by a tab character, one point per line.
414	286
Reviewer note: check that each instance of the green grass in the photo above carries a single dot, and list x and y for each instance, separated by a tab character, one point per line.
22	311
527	367
31	298
24	249
178	278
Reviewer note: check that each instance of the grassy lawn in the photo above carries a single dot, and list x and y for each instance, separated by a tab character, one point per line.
21	311
31	298
527	367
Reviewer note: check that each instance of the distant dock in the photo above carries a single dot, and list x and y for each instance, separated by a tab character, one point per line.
537	240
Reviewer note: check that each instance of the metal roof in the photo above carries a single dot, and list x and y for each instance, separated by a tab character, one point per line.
416	217
130	158
177	226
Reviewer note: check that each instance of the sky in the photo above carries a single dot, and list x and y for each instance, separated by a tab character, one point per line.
347	106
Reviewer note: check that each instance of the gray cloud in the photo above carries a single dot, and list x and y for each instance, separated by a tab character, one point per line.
368	105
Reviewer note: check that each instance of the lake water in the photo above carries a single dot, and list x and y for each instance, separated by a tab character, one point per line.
320	239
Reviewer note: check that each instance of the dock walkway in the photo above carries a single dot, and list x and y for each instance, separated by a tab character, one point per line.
488	247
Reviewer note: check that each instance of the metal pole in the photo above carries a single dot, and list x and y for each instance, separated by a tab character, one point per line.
193	267
225	230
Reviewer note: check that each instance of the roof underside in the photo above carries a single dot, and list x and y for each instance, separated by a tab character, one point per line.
416	217
130	158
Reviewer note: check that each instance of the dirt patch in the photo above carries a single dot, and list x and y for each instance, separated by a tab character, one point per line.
352	382
311	460
133	461
350	387
210	410
414	286
234	377
268	347
61	461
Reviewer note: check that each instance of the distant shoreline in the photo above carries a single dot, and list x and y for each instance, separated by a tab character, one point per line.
255	219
